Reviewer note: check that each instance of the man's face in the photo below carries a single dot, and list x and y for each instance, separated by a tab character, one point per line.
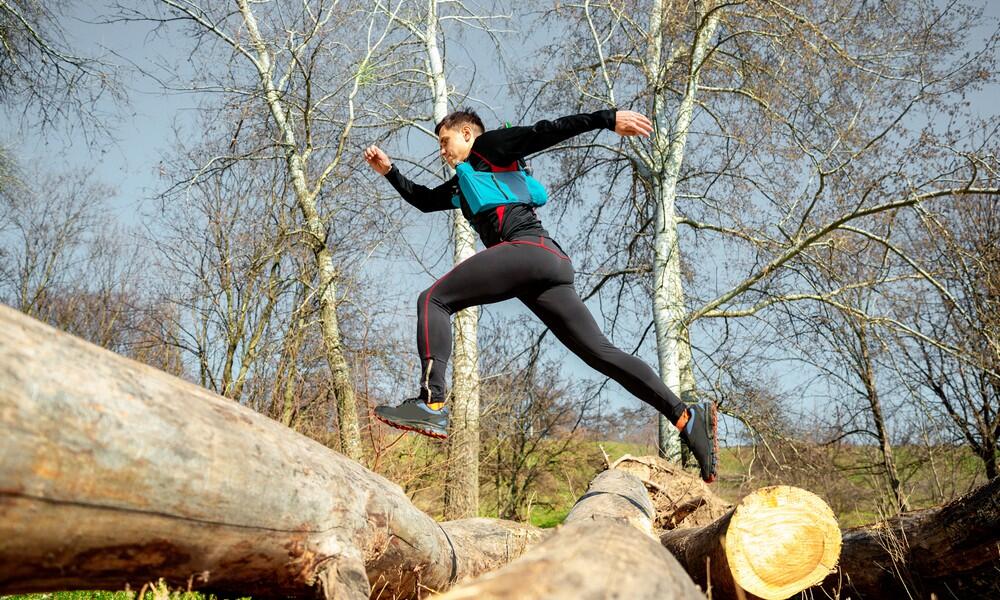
456	143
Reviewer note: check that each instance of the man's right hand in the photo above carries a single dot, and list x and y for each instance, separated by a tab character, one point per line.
378	160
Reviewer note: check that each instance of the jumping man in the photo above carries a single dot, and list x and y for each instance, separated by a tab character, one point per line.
498	197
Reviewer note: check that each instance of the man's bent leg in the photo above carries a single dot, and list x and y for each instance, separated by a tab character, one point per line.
495	274
492	275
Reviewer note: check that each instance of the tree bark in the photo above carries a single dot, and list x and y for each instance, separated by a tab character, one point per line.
952	551
775	543
113	472
865	370
604	550
681	499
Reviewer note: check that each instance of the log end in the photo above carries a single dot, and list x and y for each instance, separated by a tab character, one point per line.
780	541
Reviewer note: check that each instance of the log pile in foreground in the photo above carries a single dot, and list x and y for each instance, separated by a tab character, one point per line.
775	543
115	473
951	551
603	549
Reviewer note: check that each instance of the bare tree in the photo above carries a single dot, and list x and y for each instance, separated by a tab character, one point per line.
299	73
65	260
533	416
41	76
848	347
798	122
47	236
223	240
955	359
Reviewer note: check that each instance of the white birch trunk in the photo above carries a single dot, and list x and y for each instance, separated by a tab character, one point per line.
347	417
461	495
668	290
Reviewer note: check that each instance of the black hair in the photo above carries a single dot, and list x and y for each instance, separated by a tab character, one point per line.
457	118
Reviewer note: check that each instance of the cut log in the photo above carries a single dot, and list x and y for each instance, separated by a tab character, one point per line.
775	543
680	498
115	473
951	552
603	550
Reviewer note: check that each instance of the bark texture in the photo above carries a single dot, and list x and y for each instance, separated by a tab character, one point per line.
681	499
113	472
775	543
951	551
603	550
669	140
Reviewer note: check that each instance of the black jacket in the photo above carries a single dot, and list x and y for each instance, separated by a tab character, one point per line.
501	147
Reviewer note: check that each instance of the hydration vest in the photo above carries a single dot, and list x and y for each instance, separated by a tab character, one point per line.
485	190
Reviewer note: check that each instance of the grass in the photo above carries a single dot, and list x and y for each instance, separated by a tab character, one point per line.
545	516
157	591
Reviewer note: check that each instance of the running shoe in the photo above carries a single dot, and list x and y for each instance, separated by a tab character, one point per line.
699	434
413	414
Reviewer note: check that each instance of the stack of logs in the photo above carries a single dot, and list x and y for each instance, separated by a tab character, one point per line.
113	473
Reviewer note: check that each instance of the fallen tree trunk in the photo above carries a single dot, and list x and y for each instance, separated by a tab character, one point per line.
115	473
951	551
604	549
775	543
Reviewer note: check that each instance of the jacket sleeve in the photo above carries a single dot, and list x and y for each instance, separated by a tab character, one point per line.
422	197
504	146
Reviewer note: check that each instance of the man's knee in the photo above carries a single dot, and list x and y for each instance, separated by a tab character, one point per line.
427	298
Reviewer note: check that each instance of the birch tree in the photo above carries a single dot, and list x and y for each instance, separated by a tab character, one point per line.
775	126
424	23
300	71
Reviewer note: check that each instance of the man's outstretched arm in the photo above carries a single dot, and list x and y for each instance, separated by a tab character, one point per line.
504	146
419	196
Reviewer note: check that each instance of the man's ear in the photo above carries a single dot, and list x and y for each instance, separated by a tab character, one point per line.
467	132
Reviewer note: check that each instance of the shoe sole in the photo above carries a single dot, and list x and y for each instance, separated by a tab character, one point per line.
715	445
426	432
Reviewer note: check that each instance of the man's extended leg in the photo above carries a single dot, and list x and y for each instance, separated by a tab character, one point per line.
564	312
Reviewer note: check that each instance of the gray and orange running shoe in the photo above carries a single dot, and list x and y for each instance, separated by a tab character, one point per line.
700	435
413	414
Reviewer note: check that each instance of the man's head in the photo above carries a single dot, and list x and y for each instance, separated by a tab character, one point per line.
456	132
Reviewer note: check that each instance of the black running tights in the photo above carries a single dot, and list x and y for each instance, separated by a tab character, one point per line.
537	272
